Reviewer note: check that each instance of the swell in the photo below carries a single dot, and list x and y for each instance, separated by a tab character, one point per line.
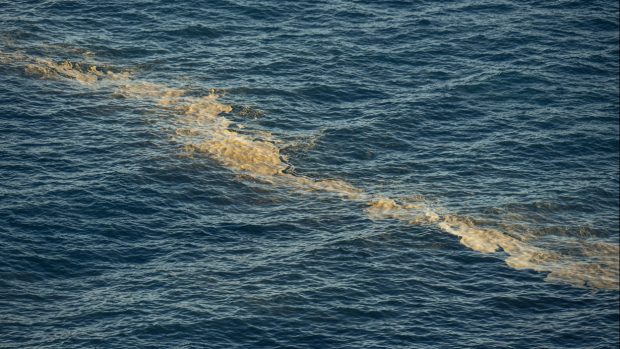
202	127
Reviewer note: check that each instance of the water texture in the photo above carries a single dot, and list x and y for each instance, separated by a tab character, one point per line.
309	175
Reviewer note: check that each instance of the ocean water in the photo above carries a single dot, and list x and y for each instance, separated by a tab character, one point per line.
309	174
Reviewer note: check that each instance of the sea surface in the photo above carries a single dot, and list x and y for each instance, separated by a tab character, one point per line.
309	174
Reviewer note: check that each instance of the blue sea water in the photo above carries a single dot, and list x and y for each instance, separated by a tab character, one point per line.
133	215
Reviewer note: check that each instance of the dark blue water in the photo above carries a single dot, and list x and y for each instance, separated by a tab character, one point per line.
132	218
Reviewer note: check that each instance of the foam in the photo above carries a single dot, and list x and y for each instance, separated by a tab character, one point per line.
202	128
82	73
342	188
139	90
598	271
240	153
411	212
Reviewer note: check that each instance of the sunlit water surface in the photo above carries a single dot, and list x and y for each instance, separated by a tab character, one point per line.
325	174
